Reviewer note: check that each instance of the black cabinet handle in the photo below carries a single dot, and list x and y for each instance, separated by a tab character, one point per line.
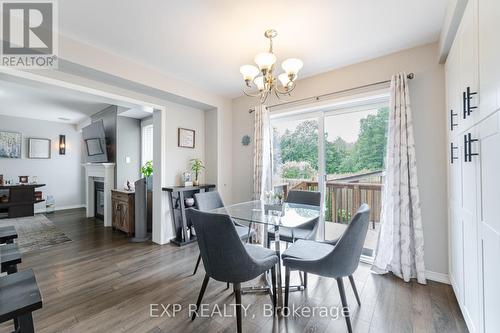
464	104
467	98
468	140
452	124
452	153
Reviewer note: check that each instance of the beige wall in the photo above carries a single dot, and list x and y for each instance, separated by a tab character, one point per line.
428	104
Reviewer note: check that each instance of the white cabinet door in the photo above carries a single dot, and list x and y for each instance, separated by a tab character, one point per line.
457	253
489	132
453	86
467	35
468	215
489	55
456	227
453	102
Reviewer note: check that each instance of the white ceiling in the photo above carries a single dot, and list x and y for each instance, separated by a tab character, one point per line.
205	42
29	99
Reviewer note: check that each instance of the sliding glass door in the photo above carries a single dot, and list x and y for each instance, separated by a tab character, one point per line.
295	153
339	152
355	146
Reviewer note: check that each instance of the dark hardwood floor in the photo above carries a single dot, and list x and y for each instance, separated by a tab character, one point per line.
100	282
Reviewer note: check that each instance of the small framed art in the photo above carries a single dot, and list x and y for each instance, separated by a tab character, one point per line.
186	138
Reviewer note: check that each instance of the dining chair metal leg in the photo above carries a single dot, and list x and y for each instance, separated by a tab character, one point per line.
237	293
345	308
275	290
355	290
200	296
249	232
287	289
197	264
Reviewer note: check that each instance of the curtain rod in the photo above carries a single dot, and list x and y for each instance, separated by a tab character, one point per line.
317	98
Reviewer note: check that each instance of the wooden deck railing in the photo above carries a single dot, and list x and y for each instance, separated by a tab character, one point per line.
343	198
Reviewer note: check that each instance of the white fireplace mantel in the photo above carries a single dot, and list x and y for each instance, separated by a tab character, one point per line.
106	173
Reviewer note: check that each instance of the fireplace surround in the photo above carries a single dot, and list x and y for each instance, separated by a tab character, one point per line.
101	172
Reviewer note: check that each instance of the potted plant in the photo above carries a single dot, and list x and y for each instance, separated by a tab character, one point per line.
196	166
147	172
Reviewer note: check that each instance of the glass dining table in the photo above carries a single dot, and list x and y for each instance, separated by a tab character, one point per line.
273	217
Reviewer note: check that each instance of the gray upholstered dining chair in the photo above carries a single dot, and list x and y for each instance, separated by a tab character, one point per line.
207	201
305	231
226	258
335	261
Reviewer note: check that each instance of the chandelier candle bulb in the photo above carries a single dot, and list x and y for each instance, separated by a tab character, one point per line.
284	79
292	66
265	61
264	79
259	82
249	72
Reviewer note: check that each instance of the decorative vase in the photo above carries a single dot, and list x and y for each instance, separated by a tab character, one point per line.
195	182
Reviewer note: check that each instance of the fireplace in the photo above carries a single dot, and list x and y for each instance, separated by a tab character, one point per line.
104	173
99	200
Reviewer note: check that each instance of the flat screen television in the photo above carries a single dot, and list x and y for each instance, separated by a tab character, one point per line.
94	141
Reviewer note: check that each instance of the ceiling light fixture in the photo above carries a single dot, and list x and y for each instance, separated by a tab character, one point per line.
262	77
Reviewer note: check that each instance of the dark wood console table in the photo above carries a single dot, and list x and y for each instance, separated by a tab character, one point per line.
177	195
21	200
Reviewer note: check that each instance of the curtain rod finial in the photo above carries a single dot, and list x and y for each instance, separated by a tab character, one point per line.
410	76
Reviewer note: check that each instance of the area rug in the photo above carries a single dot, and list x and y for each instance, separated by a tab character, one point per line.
35	232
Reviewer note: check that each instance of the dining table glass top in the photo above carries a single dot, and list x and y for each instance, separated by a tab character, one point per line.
287	215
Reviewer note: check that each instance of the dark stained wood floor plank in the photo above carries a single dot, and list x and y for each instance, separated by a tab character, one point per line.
100	282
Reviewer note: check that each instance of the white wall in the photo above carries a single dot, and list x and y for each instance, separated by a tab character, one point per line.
428	103
63	174
211	130
178	157
170	160
128	144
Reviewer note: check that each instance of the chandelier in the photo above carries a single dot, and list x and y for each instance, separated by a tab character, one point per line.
263	77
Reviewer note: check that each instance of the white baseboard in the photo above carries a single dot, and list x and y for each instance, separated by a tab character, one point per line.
438	277
42	210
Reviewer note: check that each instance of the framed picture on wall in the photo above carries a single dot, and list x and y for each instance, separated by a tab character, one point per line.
186	138
10	144
38	148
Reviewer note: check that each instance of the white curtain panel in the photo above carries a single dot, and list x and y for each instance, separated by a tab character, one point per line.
400	249
262	157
